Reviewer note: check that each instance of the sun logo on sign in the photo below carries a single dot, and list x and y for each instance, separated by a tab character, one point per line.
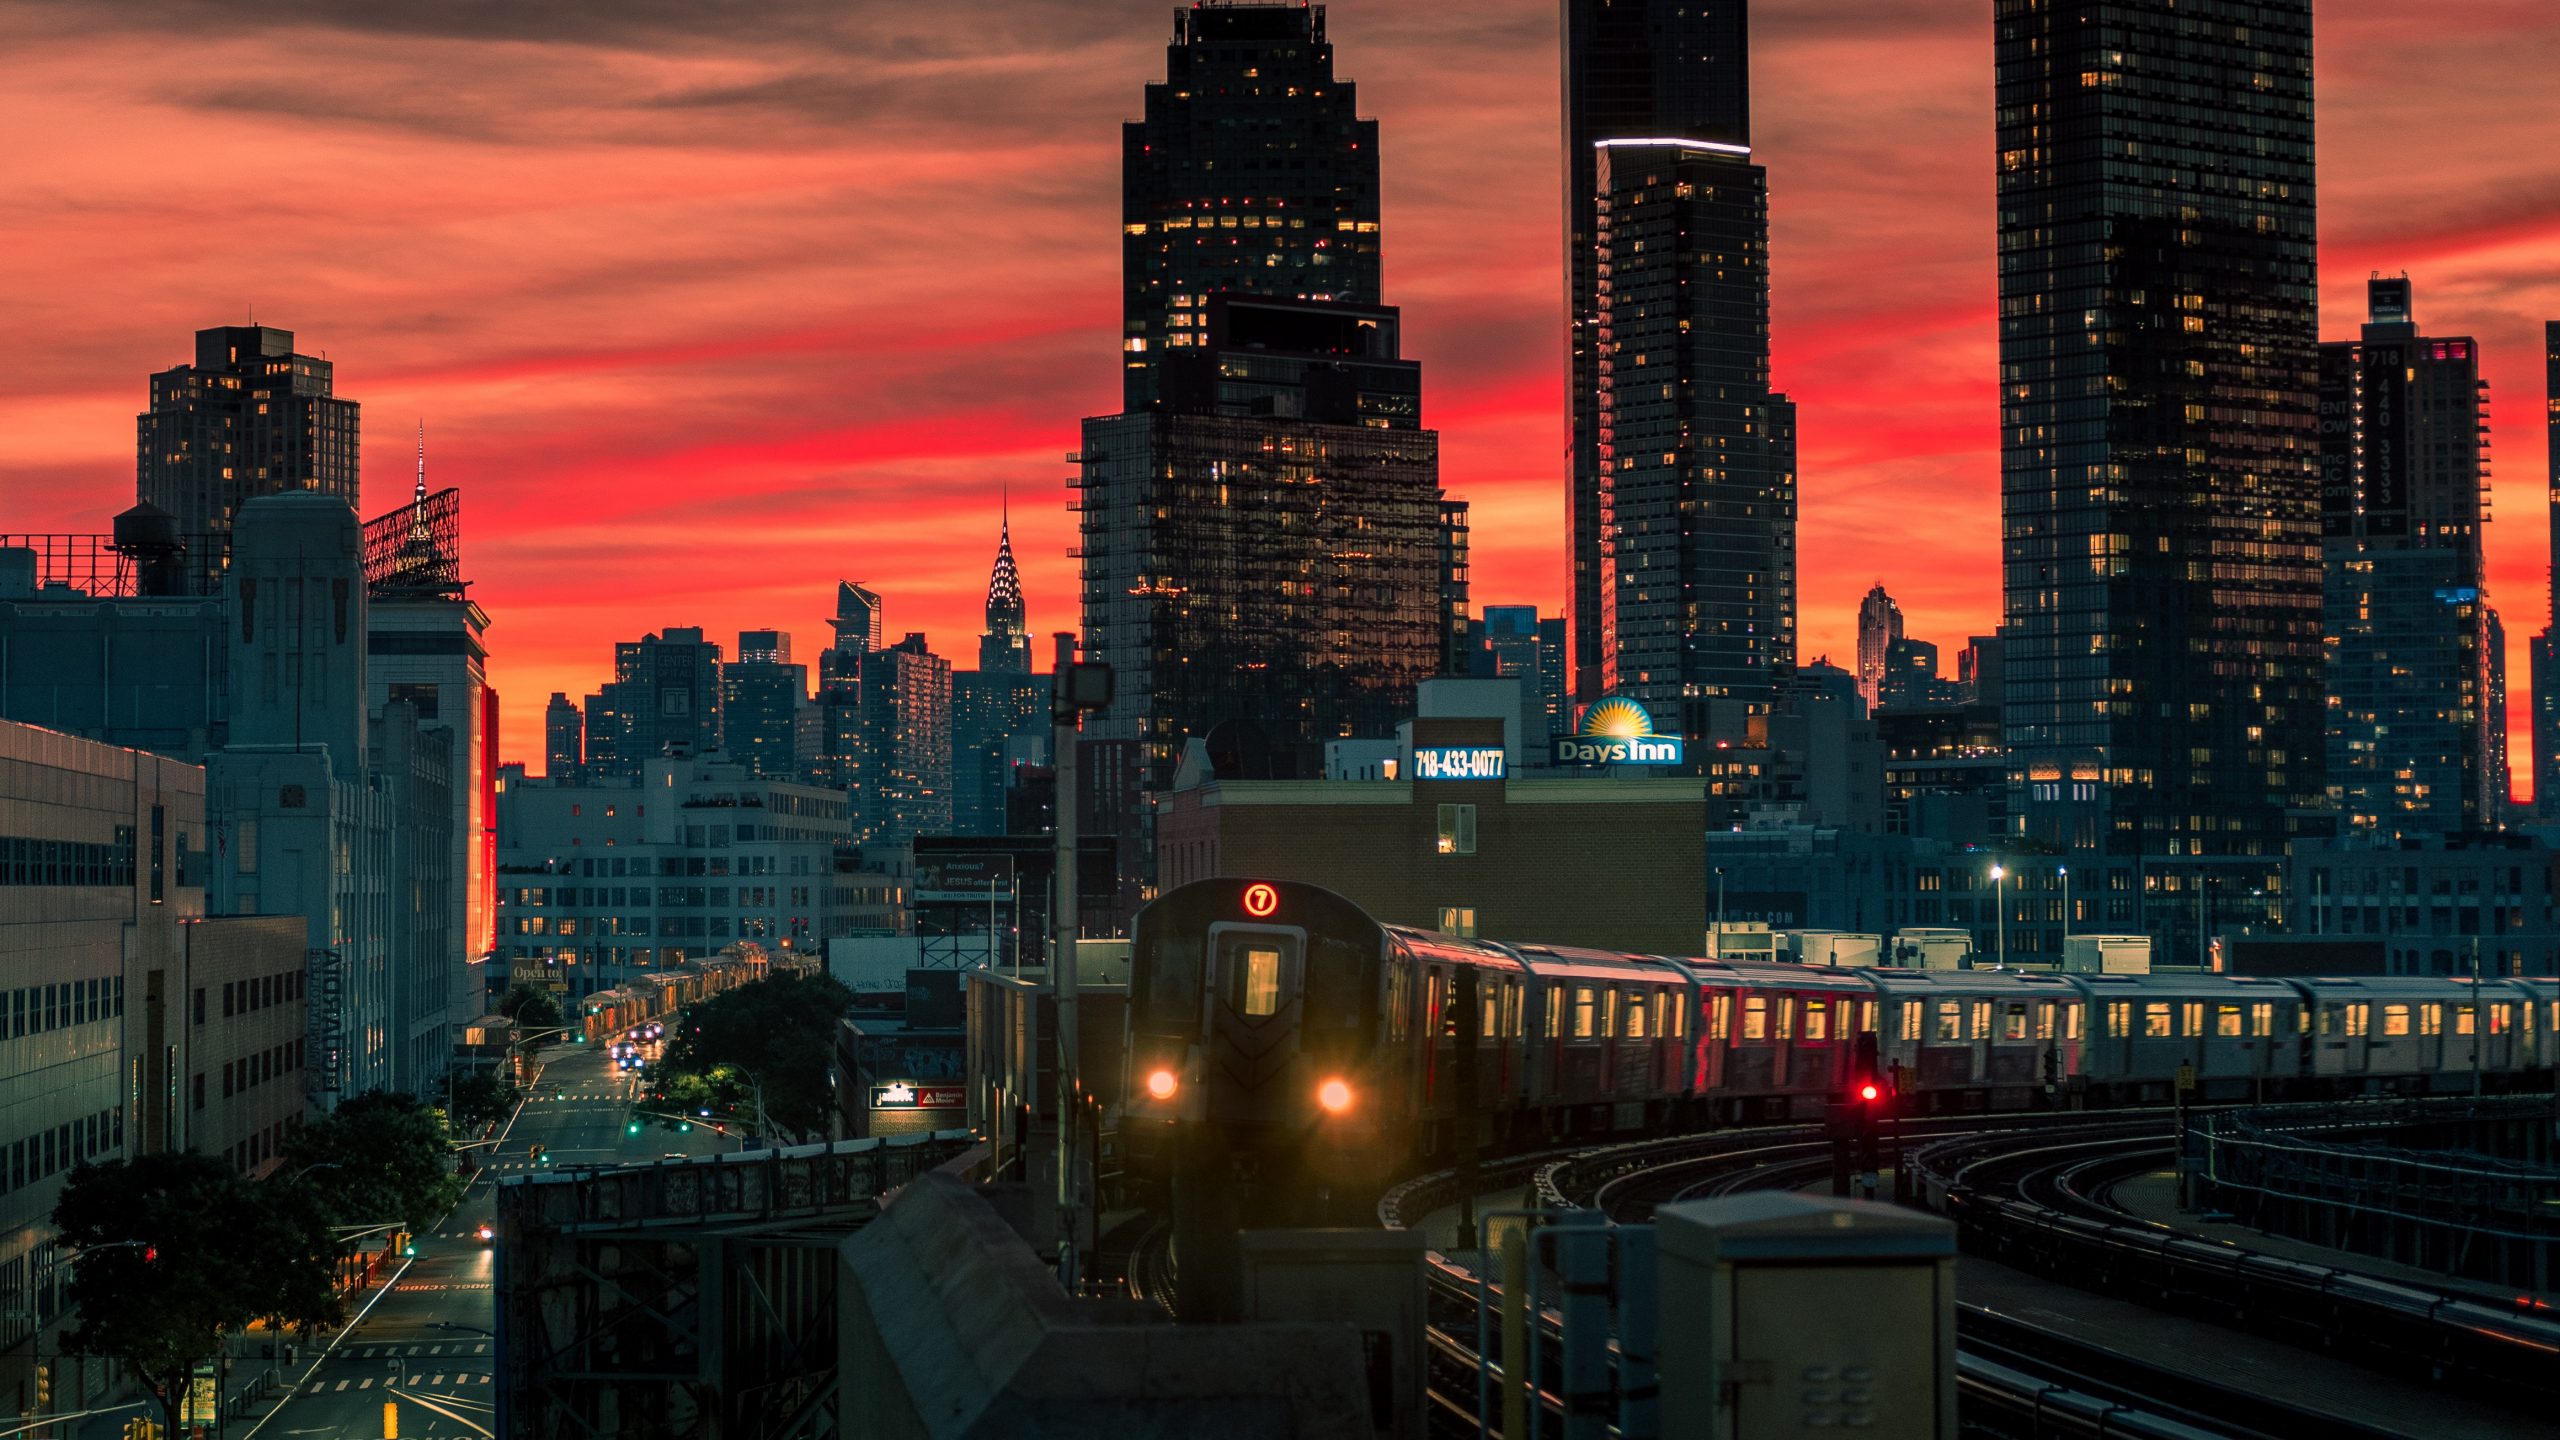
1618	718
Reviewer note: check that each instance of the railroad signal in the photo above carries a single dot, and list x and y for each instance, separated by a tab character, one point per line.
1866	1072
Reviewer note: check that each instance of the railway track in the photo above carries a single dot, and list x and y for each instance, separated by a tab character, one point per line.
2014	1380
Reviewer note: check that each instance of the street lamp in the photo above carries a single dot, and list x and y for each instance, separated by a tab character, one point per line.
2065	872
2000	909
1719	947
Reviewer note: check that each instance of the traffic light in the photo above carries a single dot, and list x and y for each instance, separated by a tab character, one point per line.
406	1244
632	1126
150	1254
44	1386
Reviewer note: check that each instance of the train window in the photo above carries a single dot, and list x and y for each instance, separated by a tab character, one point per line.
1910	1020
1173	985
1950	1019
1664	1012
1982	1019
2464	1021
2395	1019
2044	1020
2226	1021
1399	999
2328	1019
1581	1012
1610	1001
1555	1011
1817	1021
1253	980
2498	1019
2013	1023
2431	1019
1755	1017
1636	1016
1489	1008
2191	1018
1786	1017
2262	1019
2120	1018
2070	1022
1340	985
1866	1015
1722	1018
2359	1020
2156	1023
1511	1008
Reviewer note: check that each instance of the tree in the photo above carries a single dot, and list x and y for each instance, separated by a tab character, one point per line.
482	1098
172	1249
378	1159
530	1008
777	1034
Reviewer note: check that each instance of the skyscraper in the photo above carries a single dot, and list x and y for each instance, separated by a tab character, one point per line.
1879	625
248	418
1252	173
904	789
2410	743
1696	482
761	696
664	699
1005	648
1633	70
2546	663
2159	479
564	739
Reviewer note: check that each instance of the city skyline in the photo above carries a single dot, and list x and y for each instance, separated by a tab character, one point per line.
734	397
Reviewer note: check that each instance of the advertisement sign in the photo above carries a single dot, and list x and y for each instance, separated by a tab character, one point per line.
1458	762
1617	731
904	1095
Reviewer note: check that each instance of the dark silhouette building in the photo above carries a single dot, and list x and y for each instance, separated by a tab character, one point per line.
1005	648
2159	452
1633	70
2412	736
1697	491
564	739
1252	173
762	696
250	417
2546	663
664	699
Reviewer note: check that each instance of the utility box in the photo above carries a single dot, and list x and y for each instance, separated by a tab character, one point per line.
1370	1280
1789	1315
2107	955
1929	948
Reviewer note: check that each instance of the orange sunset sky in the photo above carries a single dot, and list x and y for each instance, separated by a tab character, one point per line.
706	306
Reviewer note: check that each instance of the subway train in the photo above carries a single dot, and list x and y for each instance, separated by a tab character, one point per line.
1288	1055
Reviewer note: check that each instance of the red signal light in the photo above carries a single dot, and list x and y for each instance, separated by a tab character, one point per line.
1868	1091
150	1254
1261	899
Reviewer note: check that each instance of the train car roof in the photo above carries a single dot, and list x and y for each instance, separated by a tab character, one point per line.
1787	975
1896	980
1452	949
2396	987
2104	986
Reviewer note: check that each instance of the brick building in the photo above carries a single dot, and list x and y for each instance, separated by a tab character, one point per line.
1606	860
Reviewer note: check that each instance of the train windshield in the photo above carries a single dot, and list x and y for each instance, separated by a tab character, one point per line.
1172	999
1341	983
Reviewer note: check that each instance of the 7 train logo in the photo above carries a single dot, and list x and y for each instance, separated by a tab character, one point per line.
1617	731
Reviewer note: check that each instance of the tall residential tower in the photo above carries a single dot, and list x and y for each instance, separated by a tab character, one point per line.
250	417
2546	663
2160	484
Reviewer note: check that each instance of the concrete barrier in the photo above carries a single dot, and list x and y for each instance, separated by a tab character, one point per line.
953	1327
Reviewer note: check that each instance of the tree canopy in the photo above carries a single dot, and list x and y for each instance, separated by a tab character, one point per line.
530	1008
777	1033
174	1248
378	1159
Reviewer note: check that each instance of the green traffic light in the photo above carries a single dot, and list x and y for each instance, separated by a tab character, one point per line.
631	1129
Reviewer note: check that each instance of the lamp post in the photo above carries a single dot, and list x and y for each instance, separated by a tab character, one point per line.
1719	945
2000	909
2064	871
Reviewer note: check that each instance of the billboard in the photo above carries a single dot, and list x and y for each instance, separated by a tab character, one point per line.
1617	731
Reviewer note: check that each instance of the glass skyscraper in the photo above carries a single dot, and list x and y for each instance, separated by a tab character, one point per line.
2159	368
1252	173
1633	70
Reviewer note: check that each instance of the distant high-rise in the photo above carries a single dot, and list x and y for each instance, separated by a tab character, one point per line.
1696	463
1633	70
1266	546
1520	644
248	418
1457	622
2411	748
564	739
1252	173
664	699
761	696
1879	625
2159	334
856	623
1005	648
2546	664
904	785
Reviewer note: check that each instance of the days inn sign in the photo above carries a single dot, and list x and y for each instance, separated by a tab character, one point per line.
1617	731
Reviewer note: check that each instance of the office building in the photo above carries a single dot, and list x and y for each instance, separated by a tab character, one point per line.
1264	549
1516	644
664	699
1457	622
1252	173
2159	443
762	697
609	881
1879	625
1005	647
905	746
1633	70
1695	486
1910	678
564	738
247	995
2546	659
2434	901
2406	615
999	711
249	417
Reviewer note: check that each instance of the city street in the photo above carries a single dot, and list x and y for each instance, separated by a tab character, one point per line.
424	1343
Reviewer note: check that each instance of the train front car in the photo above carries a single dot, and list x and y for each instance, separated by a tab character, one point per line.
1254	1096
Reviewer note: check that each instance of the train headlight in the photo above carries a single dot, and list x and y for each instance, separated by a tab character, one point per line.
1162	1084
1334	1096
